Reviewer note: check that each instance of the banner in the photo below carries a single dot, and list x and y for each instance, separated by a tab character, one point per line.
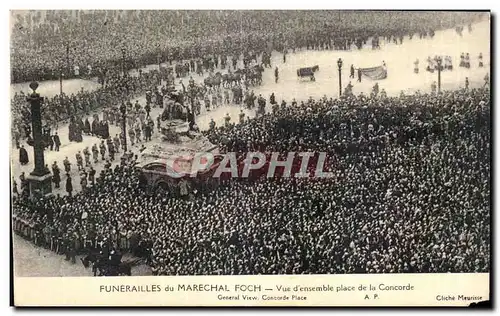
375	73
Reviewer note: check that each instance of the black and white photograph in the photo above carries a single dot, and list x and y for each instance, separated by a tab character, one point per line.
152	143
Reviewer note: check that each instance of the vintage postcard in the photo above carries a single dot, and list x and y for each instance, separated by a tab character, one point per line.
250	157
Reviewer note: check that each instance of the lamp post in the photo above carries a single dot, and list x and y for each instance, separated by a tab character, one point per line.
123	111
68	67
192	97
123	61
439	61
159	57
339	64
61	76
40	179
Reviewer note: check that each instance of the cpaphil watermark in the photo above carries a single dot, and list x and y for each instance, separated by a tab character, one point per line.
238	165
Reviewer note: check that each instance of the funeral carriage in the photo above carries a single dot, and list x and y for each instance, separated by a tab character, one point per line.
307	72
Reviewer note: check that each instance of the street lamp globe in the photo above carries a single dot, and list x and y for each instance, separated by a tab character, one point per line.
339	63
34	86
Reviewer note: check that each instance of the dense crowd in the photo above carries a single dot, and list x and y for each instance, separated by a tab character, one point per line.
410	193
79	43
116	89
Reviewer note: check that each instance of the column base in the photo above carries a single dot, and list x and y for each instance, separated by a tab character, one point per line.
40	186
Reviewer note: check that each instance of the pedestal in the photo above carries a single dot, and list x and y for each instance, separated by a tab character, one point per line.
40	185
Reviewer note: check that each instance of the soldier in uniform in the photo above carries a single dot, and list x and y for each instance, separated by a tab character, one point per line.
67	165
276	75
214	100
466	83
226	96
56	175
138	130
433	87
137	106
111	150
481	60
23	156
107	164
207	103
79	160
14	186
219	98
283	105
272	99
83	180
415	69
242	116
352	72
235	61
92	175
116	141
275	108
86	153
383	94
95	153
212	124
131	135
227	119
487	80
71	249
158	122
69	185
149	98
50	141
148	129
86	128
105	115
102	149
375	90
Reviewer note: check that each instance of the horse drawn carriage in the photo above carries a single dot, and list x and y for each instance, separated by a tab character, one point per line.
307	72
107	264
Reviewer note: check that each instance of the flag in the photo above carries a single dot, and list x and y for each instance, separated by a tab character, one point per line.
375	73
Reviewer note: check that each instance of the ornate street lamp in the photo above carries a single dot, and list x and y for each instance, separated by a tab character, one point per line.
40	179
123	61
68	66
439	61
123	111
339	64
159	57
61	77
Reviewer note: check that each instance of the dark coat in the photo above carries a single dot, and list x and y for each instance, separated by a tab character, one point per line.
69	185
23	156
87	127
57	141
56	177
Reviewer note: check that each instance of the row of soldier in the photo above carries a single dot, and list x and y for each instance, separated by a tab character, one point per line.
447	64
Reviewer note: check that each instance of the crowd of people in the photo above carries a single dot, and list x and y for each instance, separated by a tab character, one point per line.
61	108
410	193
82	43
